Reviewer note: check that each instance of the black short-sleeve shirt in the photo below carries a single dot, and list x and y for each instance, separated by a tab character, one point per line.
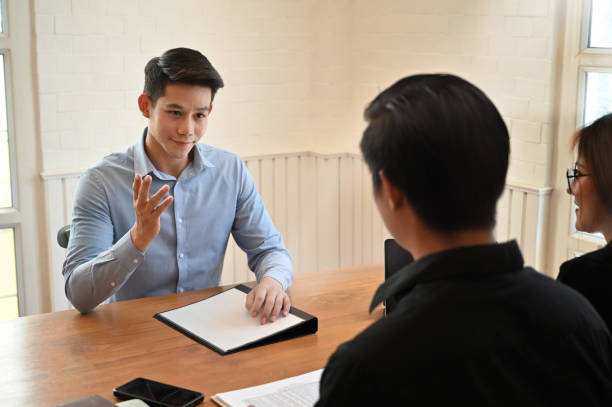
473	326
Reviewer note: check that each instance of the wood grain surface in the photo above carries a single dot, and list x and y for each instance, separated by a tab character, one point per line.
53	358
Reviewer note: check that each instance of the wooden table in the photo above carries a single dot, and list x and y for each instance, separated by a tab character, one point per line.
53	358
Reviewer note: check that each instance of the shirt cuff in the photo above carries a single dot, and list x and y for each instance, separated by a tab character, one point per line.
125	250
280	276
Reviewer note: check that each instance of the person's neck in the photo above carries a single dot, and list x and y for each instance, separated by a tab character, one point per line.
170	166
428	241
606	229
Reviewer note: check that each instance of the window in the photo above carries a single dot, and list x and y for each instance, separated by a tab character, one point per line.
6	194
8	283
600	29
595	83
584	94
23	263
9	307
598	94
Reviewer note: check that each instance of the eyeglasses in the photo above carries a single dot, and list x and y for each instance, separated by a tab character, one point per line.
572	174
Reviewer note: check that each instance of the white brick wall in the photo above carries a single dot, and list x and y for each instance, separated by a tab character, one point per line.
298	73
503	46
91	56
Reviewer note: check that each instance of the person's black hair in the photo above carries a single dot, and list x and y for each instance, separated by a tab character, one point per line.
442	142
180	65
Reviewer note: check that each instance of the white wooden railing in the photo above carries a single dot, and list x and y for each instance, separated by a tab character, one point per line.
323	206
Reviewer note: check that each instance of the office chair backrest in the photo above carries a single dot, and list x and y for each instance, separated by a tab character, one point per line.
63	236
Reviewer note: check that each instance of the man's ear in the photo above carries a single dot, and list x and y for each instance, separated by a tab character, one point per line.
210	108
394	196
145	105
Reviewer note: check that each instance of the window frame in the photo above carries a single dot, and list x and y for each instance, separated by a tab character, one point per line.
586	31
5	26
583	70
589	59
26	216
11	217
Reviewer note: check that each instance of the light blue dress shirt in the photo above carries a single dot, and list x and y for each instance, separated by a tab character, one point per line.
213	197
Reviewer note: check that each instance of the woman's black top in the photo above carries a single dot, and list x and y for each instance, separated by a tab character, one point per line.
591	275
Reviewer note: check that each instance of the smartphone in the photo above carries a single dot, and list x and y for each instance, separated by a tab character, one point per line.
158	394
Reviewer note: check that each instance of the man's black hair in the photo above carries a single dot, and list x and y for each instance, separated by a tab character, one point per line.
180	65
442	142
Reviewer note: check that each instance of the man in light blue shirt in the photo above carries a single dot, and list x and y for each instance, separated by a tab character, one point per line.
127	243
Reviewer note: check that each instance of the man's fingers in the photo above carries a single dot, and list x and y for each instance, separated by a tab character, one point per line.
143	193
286	305
136	186
269	304
278	304
268	298
249	300
162	207
156	197
258	300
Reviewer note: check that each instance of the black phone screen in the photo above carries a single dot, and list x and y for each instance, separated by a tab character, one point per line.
158	394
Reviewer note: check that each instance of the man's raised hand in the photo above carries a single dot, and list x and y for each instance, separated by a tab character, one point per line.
147	210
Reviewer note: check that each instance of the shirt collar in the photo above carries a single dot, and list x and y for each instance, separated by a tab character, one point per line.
144	166
472	260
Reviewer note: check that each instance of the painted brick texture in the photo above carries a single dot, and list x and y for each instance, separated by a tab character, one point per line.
298	73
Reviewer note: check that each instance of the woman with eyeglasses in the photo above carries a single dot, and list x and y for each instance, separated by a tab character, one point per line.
590	182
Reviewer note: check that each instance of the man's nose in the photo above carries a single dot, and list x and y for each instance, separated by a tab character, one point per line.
186	127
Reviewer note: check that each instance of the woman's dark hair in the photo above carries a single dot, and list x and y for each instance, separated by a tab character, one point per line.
441	141
180	65
594	144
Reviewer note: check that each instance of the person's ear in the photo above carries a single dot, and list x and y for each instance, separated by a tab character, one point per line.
392	194
210	108
145	105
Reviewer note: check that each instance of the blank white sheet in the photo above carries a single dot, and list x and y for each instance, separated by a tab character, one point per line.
223	321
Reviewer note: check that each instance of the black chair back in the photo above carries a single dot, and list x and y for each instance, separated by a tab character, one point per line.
63	236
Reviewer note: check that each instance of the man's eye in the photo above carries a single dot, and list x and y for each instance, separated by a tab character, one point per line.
201	116
174	112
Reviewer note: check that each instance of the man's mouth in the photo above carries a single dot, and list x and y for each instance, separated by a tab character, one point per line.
182	143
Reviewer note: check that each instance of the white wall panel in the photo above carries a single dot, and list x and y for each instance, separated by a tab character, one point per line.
307	217
324	208
366	215
357	198
345	212
293	236
59	190
328	208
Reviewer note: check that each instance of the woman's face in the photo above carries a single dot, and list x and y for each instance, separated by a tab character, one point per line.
590	211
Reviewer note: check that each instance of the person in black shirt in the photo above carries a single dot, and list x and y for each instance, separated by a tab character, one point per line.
590	182
472	325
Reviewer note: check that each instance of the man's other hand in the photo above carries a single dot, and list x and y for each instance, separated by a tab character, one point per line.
147	211
268	300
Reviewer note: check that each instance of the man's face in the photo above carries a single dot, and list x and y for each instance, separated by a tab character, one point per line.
177	121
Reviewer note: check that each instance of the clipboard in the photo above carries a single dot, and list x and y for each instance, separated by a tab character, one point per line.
223	324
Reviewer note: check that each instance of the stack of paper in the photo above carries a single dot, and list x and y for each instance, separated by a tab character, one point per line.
298	391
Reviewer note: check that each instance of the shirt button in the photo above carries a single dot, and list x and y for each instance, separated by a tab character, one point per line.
180	220
181	255
180	290
135	261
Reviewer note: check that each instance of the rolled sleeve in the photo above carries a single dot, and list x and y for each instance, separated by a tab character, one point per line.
255	233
